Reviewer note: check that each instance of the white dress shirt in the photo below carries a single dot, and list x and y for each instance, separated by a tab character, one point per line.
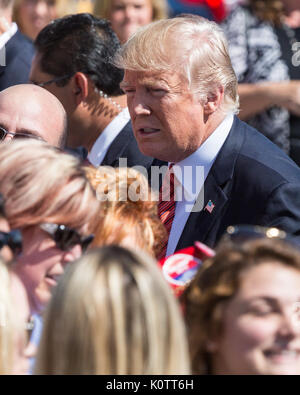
104	141
4	38
190	175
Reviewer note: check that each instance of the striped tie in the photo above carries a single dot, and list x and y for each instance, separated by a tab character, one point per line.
166	205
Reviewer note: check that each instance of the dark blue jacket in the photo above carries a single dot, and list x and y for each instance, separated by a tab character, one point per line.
125	146
19	54
252	181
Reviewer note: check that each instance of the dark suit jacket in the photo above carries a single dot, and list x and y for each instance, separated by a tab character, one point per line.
125	146
251	182
19	54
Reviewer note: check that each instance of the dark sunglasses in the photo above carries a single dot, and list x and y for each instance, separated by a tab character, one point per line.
12	239
4	133
65	237
239	234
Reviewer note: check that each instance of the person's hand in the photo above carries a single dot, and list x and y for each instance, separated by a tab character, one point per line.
287	95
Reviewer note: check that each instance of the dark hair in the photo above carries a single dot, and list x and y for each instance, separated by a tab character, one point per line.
82	43
268	10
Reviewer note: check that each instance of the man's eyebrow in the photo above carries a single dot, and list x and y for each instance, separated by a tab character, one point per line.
2	125
146	82
31	132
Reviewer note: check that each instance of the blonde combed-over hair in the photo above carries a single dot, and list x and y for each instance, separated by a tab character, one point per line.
40	183
113	313
190	45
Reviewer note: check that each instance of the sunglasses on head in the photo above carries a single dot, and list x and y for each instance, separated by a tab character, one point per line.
12	239
4	133
239	234
65	237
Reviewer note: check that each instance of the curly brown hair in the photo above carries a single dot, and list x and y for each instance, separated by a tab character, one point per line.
268	10
216	283
122	214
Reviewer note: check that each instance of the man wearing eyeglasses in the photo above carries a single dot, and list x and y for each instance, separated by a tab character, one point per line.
28	111
74	62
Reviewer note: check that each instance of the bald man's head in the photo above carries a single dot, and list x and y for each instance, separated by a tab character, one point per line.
32	110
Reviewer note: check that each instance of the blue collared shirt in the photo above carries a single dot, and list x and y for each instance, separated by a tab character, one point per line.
104	141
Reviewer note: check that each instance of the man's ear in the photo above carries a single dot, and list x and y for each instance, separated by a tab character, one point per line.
214	100
80	87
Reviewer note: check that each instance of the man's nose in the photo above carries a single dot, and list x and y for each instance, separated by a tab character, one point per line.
140	104
142	109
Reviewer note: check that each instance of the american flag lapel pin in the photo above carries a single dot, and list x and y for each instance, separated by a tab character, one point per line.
210	206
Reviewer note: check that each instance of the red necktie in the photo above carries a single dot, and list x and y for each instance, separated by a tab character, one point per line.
166	205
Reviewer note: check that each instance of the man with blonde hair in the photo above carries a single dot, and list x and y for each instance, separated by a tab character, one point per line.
182	95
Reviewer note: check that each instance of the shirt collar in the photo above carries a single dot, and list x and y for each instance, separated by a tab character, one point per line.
107	136
185	171
6	36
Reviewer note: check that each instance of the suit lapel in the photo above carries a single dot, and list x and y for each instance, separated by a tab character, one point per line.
202	221
118	146
217	188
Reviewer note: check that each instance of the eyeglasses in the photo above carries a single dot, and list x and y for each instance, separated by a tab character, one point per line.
12	239
65	237
244	233
4	133
57	79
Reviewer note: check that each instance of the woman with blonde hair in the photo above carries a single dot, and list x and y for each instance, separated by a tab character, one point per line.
126	16
128	210
13	317
49	199
243	310
113	313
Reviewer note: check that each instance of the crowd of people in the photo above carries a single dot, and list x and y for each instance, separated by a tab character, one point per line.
149	187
